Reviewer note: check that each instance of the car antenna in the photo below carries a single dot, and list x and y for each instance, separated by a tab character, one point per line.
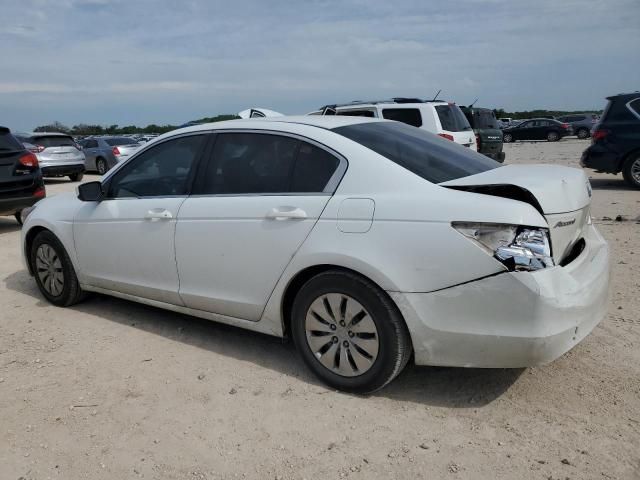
434	98
474	102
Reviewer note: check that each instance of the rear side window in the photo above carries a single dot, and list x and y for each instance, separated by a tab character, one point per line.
8	142
452	119
114	142
52	141
258	163
410	116
356	113
635	106
423	153
617	111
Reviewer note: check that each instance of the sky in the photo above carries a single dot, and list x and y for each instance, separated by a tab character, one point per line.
131	62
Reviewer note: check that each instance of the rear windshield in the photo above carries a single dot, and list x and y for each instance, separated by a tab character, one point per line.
8	143
114	142
52	141
484	119
425	154
452	119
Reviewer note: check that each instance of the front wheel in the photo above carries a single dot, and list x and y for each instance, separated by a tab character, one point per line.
76	177
349	332
54	271
507	138
553	137
631	171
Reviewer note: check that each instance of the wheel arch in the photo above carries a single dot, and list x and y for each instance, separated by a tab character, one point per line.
28	242
304	275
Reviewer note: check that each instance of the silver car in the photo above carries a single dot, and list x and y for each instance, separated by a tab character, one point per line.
58	155
102	153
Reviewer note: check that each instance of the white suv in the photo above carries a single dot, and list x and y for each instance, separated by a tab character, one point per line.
436	116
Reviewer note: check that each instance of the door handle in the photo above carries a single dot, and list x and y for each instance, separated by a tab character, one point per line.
282	213
158	214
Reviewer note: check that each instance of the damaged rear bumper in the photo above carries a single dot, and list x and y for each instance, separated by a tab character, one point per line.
513	319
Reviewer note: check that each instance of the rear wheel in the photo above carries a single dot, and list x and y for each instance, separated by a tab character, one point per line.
76	177
349	333
101	166
507	138
631	171
54	271
582	133
553	137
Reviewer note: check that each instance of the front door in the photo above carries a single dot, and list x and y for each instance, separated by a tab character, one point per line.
125	242
257	200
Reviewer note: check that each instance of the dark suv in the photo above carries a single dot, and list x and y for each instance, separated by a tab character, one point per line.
582	123
615	140
21	183
488	133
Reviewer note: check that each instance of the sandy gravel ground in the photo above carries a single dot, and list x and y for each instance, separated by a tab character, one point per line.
115	390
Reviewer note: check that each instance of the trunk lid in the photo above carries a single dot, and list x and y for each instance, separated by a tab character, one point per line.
561	194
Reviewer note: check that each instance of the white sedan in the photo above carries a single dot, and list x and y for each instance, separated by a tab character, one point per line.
363	240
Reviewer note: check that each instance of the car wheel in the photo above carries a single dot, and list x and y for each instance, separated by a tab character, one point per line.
583	133
54	271
349	332
101	166
631	171
18	217
507	138
76	177
553	137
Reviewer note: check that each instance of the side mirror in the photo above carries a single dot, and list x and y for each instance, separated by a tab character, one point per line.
90	192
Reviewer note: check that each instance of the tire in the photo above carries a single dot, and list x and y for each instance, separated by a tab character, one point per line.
631	171
76	177
18	217
507	138
582	133
359	356
101	166
553	137
48	253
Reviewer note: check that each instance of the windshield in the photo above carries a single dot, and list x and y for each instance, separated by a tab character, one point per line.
423	153
452	119
114	142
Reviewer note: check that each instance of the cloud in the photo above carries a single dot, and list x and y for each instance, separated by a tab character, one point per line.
110	61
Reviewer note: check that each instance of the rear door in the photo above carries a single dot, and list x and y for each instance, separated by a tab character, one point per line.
258	197
16	180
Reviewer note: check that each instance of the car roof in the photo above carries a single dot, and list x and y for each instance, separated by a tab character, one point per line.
625	95
397	101
326	122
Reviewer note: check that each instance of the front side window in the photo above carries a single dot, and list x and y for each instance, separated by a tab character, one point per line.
423	153
163	170
410	116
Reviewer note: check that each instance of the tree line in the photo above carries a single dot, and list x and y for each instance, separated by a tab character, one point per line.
84	129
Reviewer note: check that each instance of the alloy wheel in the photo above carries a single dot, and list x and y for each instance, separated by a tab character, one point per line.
635	171
341	334
101	167
49	270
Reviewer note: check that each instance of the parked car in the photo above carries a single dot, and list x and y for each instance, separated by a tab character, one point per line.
615	139
103	153
21	183
581	123
488	133
504	122
58	154
537	129
361	239
436	116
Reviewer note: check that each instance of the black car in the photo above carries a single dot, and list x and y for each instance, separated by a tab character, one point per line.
537	129
488	133
21	183
615	140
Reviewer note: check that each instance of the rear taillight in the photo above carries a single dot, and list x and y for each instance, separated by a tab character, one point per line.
115	151
446	135
29	160
599	135
477	142
565	126
36	149
40	192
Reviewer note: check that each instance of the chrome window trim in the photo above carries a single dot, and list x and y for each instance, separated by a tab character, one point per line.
630	108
